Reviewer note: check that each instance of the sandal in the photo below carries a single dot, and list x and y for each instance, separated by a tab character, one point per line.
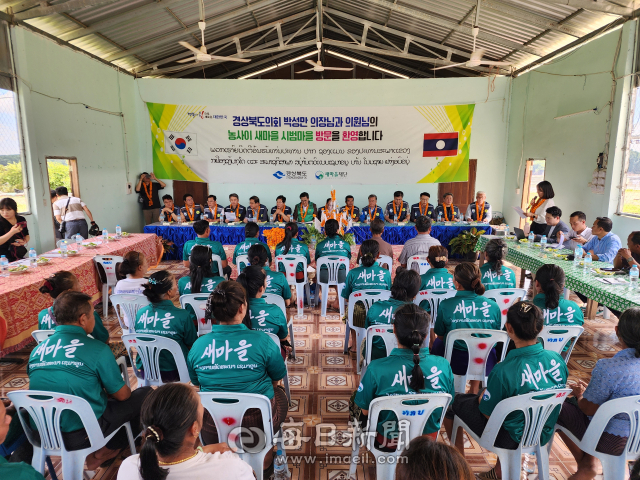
490	475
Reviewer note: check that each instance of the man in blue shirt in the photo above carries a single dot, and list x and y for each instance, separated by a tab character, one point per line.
604	245
372	210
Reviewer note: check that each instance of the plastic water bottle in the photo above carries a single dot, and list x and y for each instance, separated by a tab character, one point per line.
507	229
63	249
368	217
280	469
543	241
4	266
531	238
118	231
439	217
395	218
33	256
78	241
179	217
222	218
587	262
105	236
577	255
633	277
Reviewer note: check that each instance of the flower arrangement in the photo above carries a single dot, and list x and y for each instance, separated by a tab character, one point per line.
313	235
274	236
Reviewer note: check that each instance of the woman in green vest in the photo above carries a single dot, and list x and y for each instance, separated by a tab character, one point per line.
53	286
276	281
201	279
408	369
468	309
494	273
437	277
164	319
233	358
290	245
333	246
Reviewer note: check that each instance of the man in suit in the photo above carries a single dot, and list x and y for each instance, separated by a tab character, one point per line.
554	225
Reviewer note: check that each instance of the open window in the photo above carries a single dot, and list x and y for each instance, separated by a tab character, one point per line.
629	202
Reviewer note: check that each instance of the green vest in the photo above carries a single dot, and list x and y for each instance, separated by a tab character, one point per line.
208	285
243	248
437	278
491	280
335	247
233	358
297	248
70	362
366	278
166	320
391	376
267	317
46	322
216	249
382	312
18	471
525	370
308	217
466	310
277	284
567	313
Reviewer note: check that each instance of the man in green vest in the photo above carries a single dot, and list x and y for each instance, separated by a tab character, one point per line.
305	210
201	227
251	234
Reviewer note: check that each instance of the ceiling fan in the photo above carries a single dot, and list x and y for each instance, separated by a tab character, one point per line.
476	56
201	55
318	67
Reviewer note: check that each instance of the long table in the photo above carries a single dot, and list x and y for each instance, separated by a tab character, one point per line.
20	300
617	297
232	235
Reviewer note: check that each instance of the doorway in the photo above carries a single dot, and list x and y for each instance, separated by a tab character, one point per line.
463	192
62	172
533	175
199	191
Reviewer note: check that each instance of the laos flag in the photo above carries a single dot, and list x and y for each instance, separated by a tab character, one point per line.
180	143
440	144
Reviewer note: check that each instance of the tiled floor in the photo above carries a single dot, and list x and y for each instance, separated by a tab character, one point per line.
322	380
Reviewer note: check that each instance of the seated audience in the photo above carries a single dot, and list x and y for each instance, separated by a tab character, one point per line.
164	319
404	289
333	246
172	419
14	234
397	209
57	284
276	281
422	208
212	211
372	211
447	211
611	378
494	274
468	309
604	245
256	211
305	210
191	212
537	208
201	279
281	213
353	212
420	244
411	364
579	233
290	245
234	212
556	231
170	213
13	470
437	277
630	256
201	227
258	357
251	234
524	322
480	210
377	229
134	265
556	310
430	460
94	376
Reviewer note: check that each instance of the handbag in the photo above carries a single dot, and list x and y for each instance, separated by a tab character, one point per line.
63	223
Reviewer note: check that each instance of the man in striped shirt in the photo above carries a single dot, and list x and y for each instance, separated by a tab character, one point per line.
71	210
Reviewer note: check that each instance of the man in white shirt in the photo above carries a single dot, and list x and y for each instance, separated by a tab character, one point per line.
421	243
71	210
480	210
579	233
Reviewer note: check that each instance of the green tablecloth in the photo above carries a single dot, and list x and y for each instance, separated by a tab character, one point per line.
616	297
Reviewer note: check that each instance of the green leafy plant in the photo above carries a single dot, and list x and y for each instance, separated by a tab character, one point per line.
465	243
312	233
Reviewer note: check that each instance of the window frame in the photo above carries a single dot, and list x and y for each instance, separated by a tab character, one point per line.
627	153
73	172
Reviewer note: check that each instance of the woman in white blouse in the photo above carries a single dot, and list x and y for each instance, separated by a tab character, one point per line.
538	207
134	265
172	418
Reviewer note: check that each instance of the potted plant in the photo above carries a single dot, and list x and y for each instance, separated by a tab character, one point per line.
465	244
312	236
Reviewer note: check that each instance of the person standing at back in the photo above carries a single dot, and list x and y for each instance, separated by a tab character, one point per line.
148	195
71	210
538	207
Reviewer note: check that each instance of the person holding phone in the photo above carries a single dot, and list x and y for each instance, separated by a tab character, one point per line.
14	234
148	195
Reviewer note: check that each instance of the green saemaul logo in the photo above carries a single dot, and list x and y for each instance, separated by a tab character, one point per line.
319	175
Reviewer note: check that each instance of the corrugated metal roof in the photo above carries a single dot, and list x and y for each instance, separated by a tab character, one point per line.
136	33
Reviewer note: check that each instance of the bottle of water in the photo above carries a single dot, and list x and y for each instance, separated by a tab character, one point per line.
395	218
222	218
280	469
368	217
543	241
105	236
63	249
179	217
78	241
4	266
587	262
633	277
531	238
33	256
439	217
118	232
507	229
577	255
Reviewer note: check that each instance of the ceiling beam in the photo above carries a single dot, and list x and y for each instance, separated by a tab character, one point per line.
464	19
69	6
595	6
253	65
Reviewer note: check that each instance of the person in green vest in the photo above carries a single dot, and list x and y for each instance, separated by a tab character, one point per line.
263	316
333	246
437	277
72	363
164	319
468	309
408	369
494	273
290	245
527	368
251	233
406	286
276	281
201	227
232	358
53	286
201	279
304	211
13	470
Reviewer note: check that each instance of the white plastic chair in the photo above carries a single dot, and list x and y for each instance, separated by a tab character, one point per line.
148	348
198	302
385	260
46	412
333	264
421	260
557	341
536	412
107	276
127	306
411	422
242	261
221	411
434	297
218	260
388	337
279	301
479	349
613	468
290	262
276	339
505	297
41	335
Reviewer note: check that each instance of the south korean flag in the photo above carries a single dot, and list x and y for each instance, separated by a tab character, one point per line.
180	143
